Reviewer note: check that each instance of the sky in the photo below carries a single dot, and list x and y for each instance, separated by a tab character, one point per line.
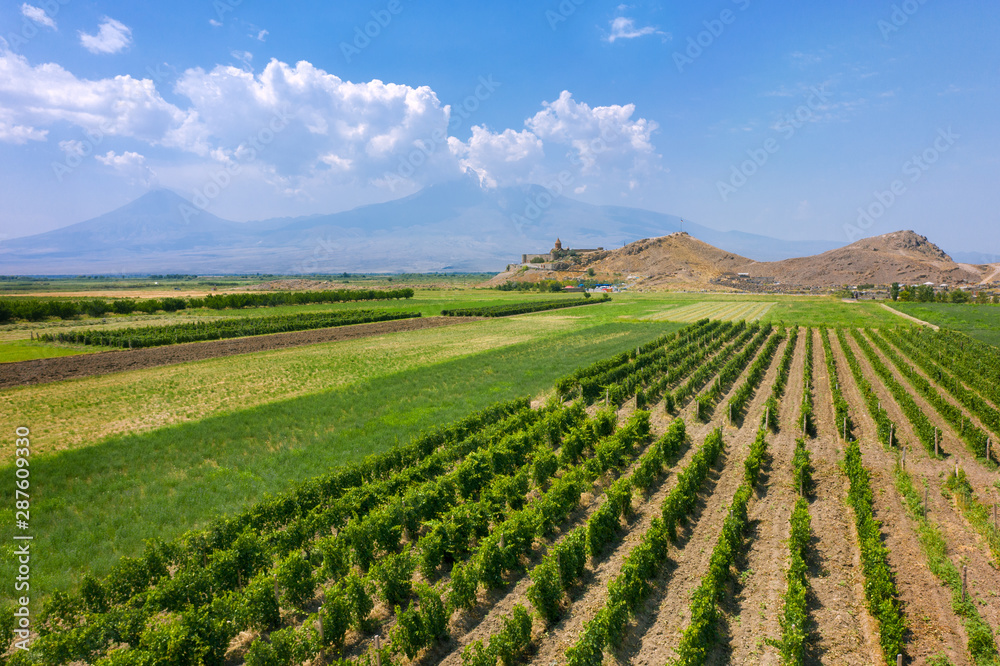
807	121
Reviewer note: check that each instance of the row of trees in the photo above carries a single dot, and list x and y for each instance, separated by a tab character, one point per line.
925	293
39	309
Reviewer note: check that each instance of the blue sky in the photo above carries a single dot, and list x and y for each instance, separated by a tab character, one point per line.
805	121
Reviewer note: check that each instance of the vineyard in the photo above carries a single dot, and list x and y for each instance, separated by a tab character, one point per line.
732	492
155	336
510	309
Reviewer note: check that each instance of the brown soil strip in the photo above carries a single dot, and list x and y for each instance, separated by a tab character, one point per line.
847	634
44	370
910	317
667	612
760	600
934	628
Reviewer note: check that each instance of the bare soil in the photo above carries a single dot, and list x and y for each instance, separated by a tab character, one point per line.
667	611
759	601
45	370
843	632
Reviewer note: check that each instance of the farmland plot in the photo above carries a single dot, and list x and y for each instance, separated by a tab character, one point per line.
720	310
728	493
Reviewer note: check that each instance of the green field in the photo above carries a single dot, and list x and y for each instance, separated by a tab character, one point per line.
979	321
155	452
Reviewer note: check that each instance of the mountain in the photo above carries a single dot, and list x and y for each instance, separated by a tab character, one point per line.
455	226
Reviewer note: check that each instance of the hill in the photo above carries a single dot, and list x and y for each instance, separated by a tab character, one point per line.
681	261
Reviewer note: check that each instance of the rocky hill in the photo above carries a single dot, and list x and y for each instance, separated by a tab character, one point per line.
681	261
901	256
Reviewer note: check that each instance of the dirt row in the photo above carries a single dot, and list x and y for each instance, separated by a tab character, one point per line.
843	631
45	370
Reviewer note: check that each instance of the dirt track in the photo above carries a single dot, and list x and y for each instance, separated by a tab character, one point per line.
45	370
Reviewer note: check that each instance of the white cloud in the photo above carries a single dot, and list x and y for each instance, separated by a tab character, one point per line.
624	28
214	23
305	132
36	97
603	145
317	123
508	157
38	15
262	35
112	36
11	131
130	164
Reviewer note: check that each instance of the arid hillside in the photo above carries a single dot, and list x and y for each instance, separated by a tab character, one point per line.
682	261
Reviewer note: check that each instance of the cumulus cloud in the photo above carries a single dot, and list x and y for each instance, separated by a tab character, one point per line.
130	164
322	126
112	36
304	131
38	15
507	157
36	97
625	28
12	131
600	144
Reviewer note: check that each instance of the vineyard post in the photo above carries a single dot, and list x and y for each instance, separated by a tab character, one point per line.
845	428
904	458
965	577
899	660
892	427
926	497
319	622
987	449
803	425
935	442
378	650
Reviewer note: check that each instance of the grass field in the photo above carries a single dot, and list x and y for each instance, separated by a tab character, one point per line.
979	321
101	500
